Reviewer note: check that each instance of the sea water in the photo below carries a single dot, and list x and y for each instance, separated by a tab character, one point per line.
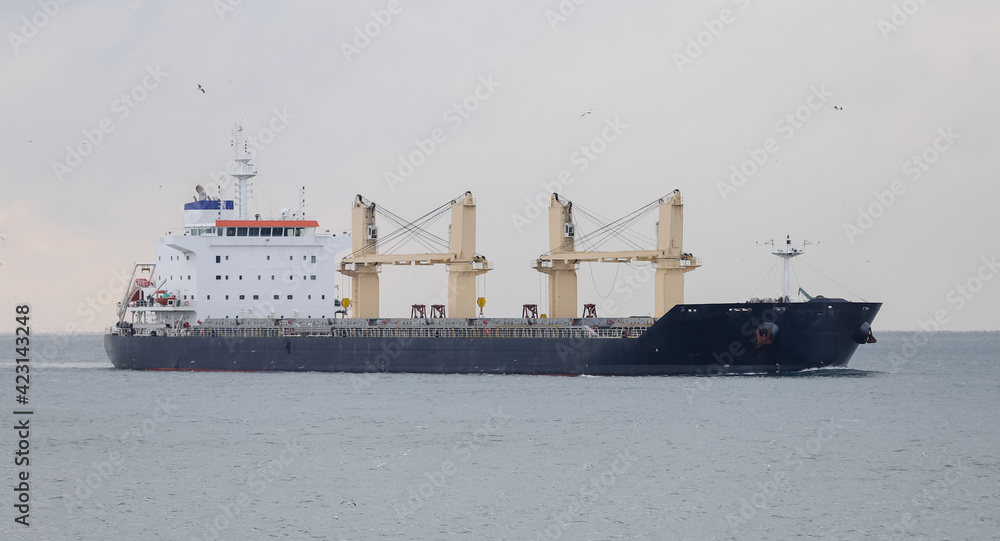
903	444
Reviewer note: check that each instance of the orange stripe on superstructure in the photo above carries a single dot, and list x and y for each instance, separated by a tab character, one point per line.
266	223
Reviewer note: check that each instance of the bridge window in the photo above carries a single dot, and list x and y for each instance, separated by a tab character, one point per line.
254	231
230	231
265	231
241	231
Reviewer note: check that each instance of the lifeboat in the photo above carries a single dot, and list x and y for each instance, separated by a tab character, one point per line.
163	298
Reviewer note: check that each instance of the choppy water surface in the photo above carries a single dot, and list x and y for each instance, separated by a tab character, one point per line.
891	448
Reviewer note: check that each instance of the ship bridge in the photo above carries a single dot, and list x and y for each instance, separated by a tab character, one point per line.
223	263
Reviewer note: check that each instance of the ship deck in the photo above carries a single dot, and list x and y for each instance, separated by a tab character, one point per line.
629	327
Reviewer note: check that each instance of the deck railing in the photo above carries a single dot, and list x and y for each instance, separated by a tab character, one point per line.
388	332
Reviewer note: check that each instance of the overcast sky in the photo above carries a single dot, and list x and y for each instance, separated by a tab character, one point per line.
820	104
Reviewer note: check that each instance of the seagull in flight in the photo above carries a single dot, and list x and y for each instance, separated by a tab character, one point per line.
202	89
587	113
837	107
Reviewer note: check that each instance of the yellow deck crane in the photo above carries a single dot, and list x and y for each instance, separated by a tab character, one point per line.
561	261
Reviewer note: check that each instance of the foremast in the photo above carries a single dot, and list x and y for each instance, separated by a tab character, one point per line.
786	252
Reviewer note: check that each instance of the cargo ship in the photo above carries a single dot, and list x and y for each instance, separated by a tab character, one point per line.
231	292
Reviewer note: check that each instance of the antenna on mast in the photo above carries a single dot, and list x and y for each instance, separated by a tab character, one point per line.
786	252
244	171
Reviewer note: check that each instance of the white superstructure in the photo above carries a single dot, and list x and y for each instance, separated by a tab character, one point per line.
222	265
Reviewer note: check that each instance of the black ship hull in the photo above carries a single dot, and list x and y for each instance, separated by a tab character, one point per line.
690	339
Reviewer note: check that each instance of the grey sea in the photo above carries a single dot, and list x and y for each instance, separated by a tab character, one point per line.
904	444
